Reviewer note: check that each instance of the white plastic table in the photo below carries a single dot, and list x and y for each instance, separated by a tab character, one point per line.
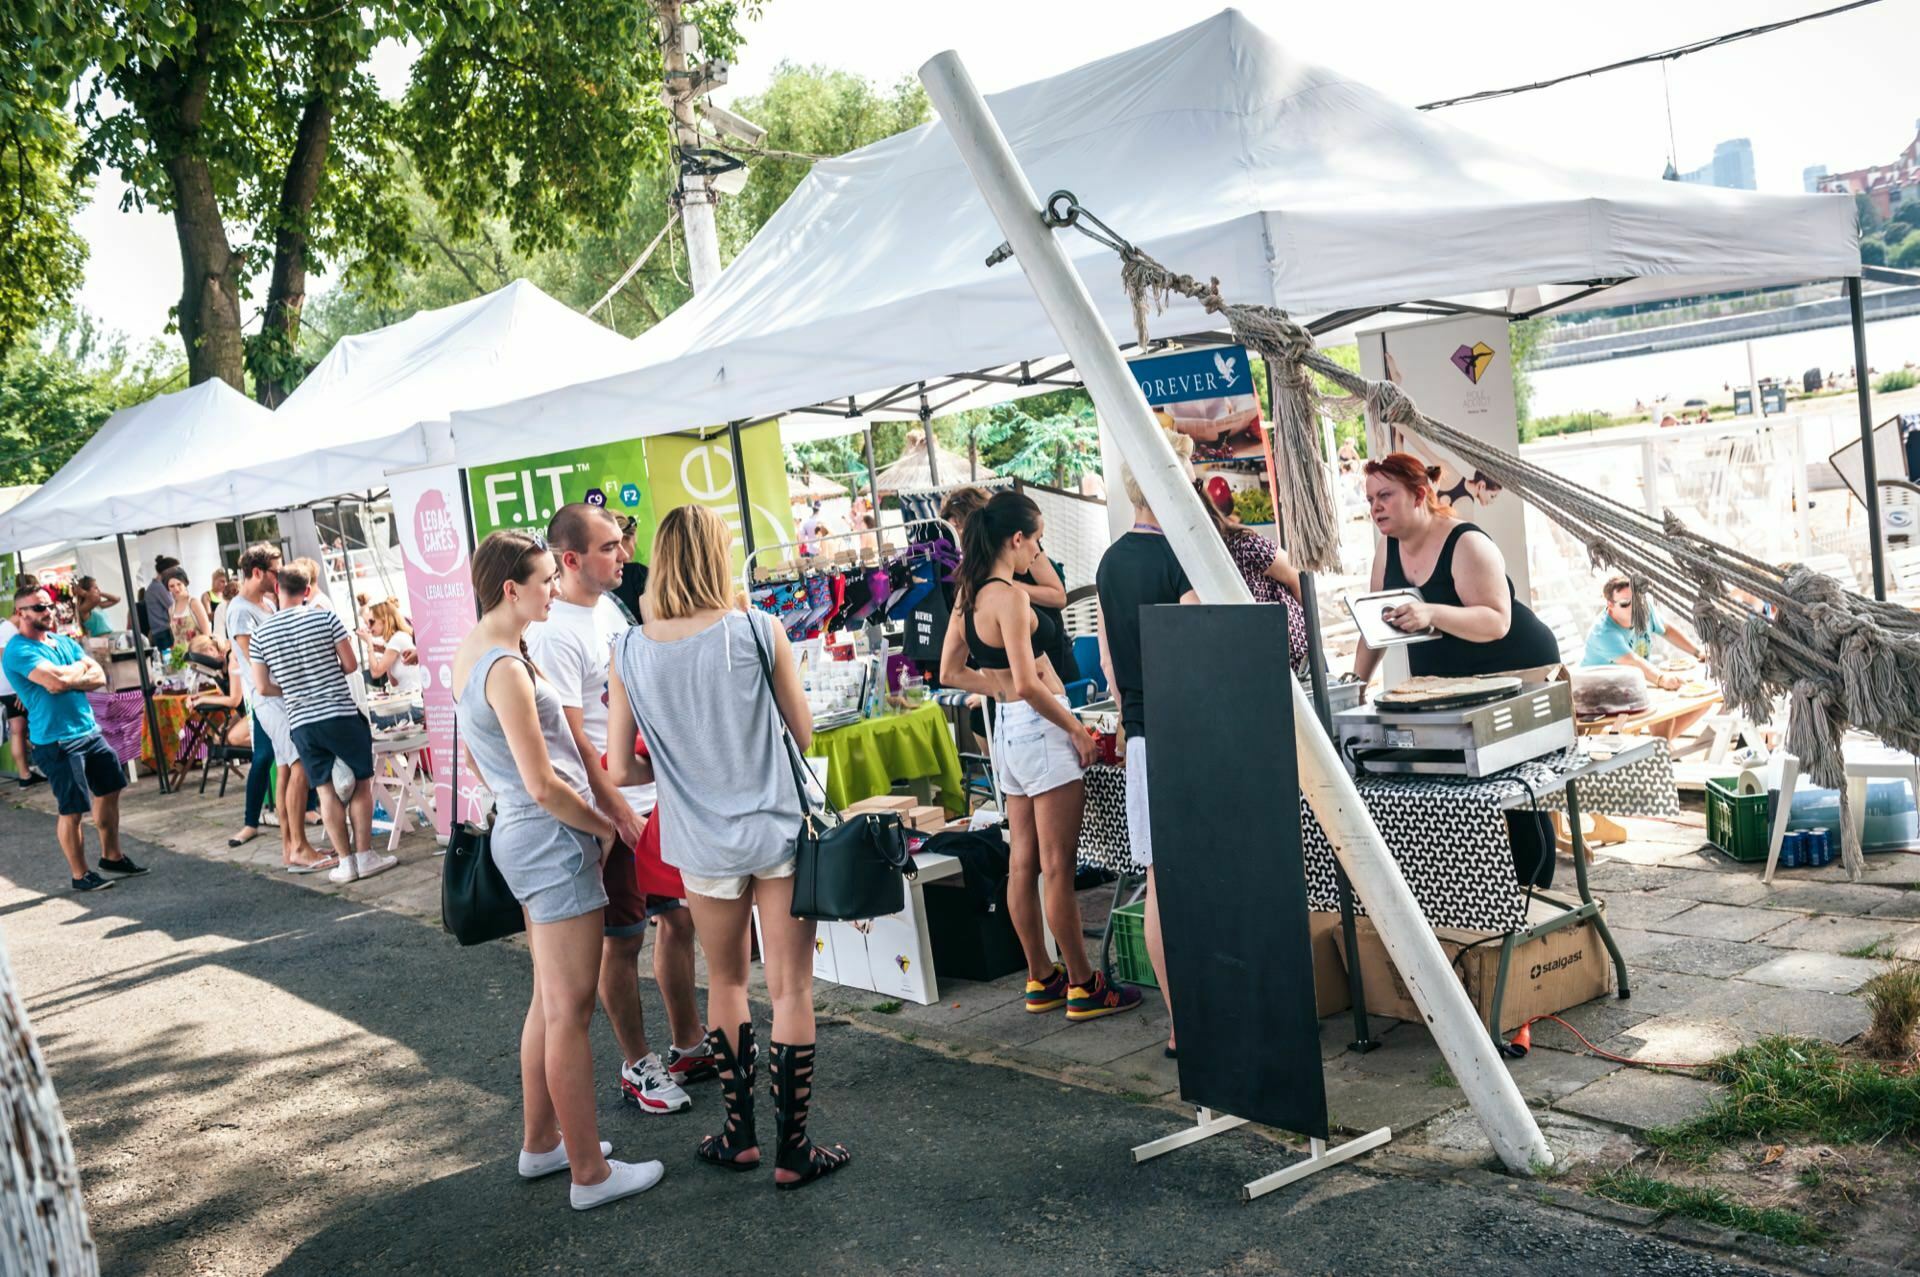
400	781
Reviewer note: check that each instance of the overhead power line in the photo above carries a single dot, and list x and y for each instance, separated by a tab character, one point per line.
1665	55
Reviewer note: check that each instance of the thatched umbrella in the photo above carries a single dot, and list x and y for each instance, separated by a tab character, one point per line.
805	489
913	472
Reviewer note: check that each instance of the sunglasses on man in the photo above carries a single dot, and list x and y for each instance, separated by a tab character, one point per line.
34	607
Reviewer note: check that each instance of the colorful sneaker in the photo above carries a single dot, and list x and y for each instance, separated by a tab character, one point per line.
692	1064
646	1085
1100	998
1045	995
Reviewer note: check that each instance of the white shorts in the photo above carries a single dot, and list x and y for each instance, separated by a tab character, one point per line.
1139	831
270	712
732	888
1030	754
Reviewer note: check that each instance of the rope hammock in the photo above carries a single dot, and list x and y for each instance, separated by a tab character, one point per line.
1839	660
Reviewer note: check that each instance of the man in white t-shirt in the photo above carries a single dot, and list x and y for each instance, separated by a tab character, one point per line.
573	648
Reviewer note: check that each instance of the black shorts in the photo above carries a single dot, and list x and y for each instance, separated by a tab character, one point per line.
12	704
80	770
346	737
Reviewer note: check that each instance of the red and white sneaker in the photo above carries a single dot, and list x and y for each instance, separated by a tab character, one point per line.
646	1085
693	1064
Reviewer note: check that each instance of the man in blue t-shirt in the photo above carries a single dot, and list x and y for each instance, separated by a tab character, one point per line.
52	676
1614	641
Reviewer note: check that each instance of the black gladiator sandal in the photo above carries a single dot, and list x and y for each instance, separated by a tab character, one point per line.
792	1091
736	1088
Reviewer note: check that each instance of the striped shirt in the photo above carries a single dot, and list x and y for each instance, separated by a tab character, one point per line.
299	646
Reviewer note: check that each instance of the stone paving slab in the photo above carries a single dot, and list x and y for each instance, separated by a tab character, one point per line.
1721	922
1105	1040
1358	1101
1615	876
1828	933
1640	1100
1642	908
1678	1039
1598	1020
1904	905
1831	897
1828	972
1544	1075
1713	888
1834	1017
1673	992
1700	955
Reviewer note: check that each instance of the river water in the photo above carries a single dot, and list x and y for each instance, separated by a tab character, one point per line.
1708	372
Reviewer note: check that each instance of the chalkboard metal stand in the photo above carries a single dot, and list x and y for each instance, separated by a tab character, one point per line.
1319	1156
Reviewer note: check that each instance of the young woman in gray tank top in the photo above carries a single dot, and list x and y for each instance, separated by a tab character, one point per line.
690	680
548	841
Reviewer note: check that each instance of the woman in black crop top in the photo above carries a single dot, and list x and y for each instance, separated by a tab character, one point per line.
1039	751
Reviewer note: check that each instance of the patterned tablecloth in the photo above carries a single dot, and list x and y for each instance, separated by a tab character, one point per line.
1449	835
123	721
869	756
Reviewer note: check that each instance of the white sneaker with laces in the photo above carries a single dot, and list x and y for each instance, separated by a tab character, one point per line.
648	1086
344	872
627	1178
535	1165
374	862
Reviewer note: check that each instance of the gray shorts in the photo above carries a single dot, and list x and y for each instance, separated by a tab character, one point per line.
552	870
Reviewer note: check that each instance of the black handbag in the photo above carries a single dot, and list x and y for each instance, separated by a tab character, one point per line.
475	903
846	869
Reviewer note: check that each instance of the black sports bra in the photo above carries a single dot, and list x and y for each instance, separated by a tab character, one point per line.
987	657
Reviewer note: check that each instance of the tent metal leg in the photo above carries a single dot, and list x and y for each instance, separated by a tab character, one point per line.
140	660
740	487
1869	464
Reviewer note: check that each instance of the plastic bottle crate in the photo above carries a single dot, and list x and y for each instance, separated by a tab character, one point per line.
1130	962
1737	823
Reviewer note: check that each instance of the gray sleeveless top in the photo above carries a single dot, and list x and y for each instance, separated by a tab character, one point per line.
727	803
481	733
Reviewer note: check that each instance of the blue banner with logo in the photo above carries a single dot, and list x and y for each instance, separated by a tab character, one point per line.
1219	373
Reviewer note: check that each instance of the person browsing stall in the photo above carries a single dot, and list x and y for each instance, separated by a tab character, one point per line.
1139	571
156	602
1040	751
549	841
89	607
1614	641
573	648
52	675
273	753
1465	596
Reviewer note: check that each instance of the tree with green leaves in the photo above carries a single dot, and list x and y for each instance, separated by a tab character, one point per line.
41	255
57	389
258	126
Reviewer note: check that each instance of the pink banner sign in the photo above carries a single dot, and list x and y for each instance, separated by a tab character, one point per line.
433	537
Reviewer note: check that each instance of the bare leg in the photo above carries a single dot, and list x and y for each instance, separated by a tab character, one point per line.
72	844
566	966
673	971
620	993
1056	818
106	817
22	759
360	811
1023	887
723	927
541	1126
1157	951
293	817
334	813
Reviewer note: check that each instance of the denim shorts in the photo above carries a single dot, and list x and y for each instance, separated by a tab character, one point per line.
345	737
1031	755
80	770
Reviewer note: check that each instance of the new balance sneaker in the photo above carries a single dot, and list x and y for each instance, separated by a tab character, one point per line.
686	1065
124	866
1091	1001
92	882
1045	995
648	1086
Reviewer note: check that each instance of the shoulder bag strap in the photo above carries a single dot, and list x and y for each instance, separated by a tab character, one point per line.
800	770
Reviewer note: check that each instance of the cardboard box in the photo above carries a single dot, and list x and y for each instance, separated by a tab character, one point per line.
928	820
1548	974
900	803
1329	969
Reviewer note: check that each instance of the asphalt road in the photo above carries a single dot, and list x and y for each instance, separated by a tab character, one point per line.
264	1079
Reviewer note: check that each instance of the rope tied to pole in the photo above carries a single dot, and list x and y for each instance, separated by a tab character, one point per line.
1772	633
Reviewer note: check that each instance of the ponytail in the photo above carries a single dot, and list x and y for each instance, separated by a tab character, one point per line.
986	532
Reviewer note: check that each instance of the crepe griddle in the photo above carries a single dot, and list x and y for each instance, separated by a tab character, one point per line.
1386	703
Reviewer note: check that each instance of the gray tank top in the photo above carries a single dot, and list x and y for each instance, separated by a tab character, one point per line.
481	733
727	803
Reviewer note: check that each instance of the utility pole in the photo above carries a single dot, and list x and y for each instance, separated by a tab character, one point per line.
684	81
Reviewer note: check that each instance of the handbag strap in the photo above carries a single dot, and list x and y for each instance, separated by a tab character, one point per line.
800	770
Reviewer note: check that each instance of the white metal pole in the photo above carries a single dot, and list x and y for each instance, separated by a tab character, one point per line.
1408	937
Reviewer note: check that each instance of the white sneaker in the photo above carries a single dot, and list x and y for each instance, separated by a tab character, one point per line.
374	862
344	872
534	1165
627	1179
647	1085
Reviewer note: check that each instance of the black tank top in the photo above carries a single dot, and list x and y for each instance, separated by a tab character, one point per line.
1527	643
987	657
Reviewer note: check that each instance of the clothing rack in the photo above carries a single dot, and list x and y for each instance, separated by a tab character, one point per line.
862	555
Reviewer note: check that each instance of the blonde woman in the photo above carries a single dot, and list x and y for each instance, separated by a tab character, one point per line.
396	659
694	679
548	842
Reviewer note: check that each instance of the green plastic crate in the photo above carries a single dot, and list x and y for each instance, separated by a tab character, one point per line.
1130	962
1737	823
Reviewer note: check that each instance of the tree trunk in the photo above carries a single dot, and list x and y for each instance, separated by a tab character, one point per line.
287	293
43	1221
210	284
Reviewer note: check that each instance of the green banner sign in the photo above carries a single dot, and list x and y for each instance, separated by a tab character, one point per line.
524	494
685	470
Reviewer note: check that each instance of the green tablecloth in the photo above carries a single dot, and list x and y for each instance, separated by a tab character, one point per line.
869	756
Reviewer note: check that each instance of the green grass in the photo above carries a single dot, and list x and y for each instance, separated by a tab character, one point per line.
1872	949
886	1008
1779	1087
1441	1078
1898	379
1708	1205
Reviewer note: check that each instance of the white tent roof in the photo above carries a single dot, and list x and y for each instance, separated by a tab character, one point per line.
1215	151
377	402
154	464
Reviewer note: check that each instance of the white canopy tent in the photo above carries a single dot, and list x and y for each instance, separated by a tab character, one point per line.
1219	154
